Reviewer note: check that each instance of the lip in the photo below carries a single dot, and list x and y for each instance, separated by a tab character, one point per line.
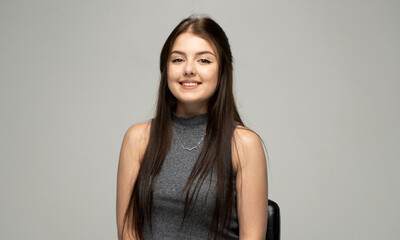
189	81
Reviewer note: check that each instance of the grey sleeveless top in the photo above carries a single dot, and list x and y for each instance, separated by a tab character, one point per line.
169	202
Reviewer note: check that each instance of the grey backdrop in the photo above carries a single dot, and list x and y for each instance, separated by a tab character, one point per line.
318	80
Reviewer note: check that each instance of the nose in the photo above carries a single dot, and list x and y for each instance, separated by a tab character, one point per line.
189	70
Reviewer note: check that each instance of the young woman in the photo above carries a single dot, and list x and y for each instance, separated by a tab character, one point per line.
194	171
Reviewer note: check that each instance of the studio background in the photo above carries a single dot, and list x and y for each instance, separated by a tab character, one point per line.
318	80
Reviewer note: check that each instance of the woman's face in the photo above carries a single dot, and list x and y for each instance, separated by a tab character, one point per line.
192	73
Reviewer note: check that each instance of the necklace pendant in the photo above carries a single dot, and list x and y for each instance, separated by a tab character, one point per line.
185	148
190	149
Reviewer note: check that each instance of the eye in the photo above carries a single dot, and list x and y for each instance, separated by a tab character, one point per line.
203	60
177	60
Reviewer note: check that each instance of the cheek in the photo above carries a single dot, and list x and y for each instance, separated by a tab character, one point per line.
170	83
172	78
212	76
173	74
215	76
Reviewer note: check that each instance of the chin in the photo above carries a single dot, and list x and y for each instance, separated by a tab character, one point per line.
191	101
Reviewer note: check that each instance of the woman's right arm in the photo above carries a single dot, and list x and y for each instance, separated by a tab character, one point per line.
133	147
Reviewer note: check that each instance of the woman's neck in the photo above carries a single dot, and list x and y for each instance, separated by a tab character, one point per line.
190	110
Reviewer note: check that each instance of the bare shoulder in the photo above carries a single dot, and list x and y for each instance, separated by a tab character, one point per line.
139	131
136	138
246	147
246	137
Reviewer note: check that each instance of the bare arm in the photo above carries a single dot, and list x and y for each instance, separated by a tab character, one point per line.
252	184
133	146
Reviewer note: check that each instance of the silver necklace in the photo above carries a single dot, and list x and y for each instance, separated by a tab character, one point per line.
188	149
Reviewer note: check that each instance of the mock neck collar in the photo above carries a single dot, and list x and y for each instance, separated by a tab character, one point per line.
196	120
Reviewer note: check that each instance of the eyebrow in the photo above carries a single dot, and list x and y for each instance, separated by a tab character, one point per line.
198	53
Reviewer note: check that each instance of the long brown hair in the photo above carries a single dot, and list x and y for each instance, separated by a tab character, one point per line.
215	154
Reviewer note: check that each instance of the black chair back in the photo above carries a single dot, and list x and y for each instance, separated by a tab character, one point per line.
274	221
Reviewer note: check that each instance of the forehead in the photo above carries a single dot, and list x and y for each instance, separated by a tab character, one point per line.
189	42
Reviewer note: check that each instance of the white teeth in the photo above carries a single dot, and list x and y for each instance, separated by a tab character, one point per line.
189	84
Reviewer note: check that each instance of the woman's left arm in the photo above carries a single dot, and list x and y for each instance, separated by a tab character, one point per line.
251	184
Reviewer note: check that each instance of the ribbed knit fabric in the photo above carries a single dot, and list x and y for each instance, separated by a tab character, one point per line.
169	202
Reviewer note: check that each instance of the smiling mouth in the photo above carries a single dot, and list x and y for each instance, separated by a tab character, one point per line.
189	84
